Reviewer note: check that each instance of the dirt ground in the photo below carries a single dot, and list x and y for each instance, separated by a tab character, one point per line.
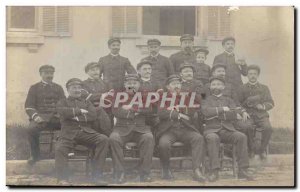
264	176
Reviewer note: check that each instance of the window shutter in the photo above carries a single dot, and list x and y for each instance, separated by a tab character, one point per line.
124	20
218	25
56	21
49	19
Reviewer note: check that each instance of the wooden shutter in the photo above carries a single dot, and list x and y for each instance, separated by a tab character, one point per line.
56	21
124	20
218	23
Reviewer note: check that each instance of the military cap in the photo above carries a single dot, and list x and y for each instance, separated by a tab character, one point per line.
173	77
46	68
144	62
227	39
217	65
184	65
113	39
205	51
153	42
132	77
91	65
220	78
254	67
73	81
186	37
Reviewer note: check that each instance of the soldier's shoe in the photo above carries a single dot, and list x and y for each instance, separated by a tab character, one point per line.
243	174
263	156
214	176
119	178
167	174
145	178
198	176
31	161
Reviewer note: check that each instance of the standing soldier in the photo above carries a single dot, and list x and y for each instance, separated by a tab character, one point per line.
131	126
40	107
114	66
234	69
257	100
220	112
77	116
186	54
244	125
162	67
176	124
202	70
93	88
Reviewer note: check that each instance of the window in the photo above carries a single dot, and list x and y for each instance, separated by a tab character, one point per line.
171	21
56	21
22	18
218	22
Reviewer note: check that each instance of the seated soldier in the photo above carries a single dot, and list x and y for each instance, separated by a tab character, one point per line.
220	112
257	100
92	90
40	107
131	126
244	124
176	124
77	116
202	70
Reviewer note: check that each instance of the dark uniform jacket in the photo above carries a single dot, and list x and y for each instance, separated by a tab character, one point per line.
41	100
233	70
215	117
169	117
71	118
180	57
93	89
202	72
162	68
251	95
113	69
194	86
130	120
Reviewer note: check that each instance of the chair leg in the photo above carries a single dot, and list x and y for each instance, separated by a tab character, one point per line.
234	162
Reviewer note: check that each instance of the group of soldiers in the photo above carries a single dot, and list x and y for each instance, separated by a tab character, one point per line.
229	111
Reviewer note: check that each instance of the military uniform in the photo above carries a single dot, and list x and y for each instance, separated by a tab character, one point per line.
41	101
251	95
202	70
77	129
131	126
219	128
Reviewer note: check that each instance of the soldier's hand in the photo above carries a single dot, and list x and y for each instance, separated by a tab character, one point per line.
38	119
83	111
226	109
246	116
259	107
126	107
238	116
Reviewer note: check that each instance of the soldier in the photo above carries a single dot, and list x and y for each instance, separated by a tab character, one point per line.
130	126
162	67
234	69
186	54
202	70
176	124
93	89
220	112
244	125
77	116
114	66
257	100
40	107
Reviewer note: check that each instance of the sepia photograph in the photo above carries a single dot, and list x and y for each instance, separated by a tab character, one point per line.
150	96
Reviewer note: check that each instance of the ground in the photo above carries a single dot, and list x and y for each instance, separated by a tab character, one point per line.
264	176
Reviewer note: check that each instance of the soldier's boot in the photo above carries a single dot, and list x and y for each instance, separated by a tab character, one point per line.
243	174
198	176
167	174
32	160
145	178
213	176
